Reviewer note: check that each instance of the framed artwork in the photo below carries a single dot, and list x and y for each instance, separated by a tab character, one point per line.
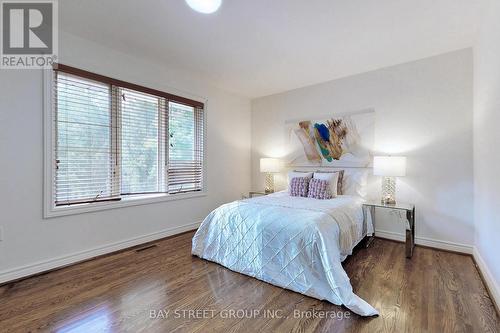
334	141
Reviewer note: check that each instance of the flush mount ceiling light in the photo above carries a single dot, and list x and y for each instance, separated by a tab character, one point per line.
204	6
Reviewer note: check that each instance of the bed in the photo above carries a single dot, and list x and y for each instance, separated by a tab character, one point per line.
295	243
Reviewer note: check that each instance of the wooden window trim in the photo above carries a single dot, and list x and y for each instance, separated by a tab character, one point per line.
124	84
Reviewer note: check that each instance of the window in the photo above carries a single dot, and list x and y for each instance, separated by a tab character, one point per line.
185	153
113	140
83	150
140	142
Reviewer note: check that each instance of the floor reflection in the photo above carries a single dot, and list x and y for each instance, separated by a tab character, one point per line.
96	320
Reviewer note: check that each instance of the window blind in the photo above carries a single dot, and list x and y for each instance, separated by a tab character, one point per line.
186	143
114	138
142	133
83	151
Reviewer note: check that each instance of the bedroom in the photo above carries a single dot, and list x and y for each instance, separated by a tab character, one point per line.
113	223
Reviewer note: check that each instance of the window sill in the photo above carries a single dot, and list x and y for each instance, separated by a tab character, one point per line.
126	201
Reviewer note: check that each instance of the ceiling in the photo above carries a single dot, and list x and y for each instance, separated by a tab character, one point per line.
261	47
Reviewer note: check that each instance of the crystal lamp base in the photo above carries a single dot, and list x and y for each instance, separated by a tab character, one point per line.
269	183
389	190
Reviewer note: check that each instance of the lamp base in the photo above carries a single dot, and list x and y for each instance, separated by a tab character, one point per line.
269	183
388	191
388	201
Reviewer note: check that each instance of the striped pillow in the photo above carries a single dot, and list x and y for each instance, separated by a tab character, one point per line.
299	186
319	189
340	184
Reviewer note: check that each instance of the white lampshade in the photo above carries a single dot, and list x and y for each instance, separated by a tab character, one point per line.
270	165
389	166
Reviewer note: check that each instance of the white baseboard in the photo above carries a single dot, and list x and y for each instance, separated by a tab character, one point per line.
492	286
438	244
43	266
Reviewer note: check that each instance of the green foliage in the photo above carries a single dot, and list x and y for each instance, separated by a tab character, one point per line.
139	144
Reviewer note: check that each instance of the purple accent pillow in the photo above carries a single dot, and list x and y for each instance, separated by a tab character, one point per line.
319	189
299	186
340	184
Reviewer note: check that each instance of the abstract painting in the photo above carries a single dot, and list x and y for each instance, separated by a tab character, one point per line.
336	141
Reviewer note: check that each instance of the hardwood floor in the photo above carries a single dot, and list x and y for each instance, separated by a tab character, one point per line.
435	291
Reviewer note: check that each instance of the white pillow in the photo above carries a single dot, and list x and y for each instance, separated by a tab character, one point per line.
295	174
355	182
332	178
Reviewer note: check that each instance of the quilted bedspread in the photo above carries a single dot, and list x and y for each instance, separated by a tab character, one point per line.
291	242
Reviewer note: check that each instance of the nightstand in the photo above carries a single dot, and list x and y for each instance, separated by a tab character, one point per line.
252	194
410	223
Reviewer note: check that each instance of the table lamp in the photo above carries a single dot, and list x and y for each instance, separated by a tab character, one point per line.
269	166
389	167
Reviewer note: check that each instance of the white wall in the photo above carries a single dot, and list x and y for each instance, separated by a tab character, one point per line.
423	111
486	146
28	239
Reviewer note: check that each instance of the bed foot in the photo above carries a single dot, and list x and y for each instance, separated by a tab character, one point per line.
369	241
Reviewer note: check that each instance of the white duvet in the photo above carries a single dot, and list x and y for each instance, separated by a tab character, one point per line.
291	242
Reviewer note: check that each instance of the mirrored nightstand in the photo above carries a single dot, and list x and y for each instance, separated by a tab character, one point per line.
252	194
410	220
